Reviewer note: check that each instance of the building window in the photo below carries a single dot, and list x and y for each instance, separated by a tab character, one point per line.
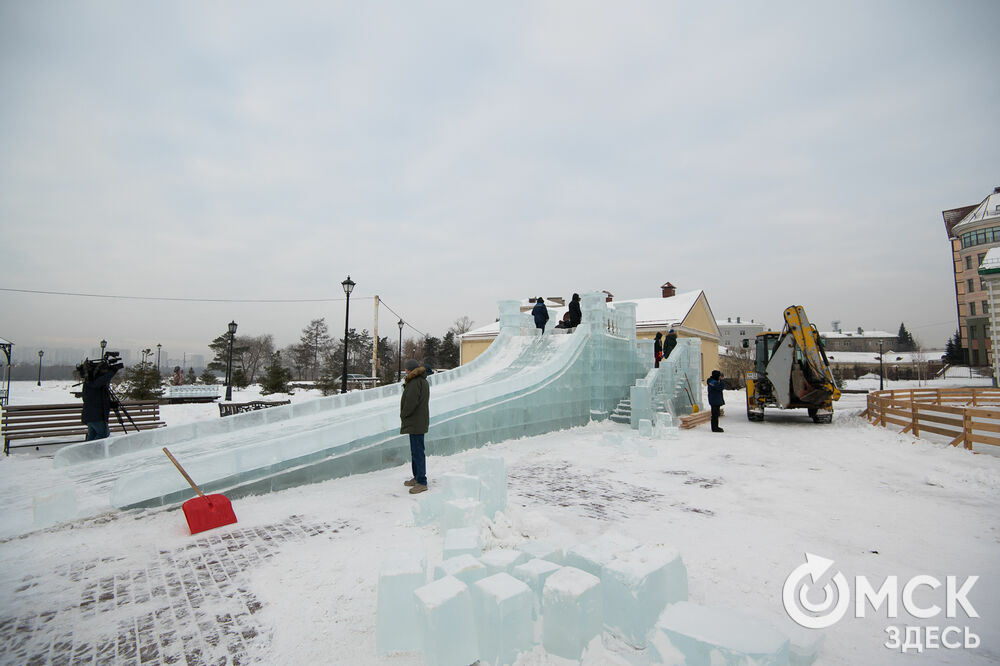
972	332
981	237
968	263
982	284
986	307
970	284
979	259
972	309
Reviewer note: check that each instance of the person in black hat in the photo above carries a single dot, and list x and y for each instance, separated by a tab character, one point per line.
715	399
657	349
575	313
540	313
414	417
669	343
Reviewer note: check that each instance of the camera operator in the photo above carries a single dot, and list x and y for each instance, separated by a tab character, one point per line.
97	396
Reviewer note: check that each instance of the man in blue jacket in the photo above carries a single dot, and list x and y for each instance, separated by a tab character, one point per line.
540	313
715	387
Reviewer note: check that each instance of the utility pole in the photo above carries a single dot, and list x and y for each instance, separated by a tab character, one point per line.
375	346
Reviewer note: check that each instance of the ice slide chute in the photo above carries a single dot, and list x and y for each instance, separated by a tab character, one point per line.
524	384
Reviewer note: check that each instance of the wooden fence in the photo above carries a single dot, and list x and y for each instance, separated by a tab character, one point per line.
966	415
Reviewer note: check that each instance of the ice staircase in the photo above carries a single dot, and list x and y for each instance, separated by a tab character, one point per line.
525	384
623	412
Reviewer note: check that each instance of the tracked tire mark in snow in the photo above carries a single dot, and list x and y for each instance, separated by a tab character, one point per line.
563	484
191	605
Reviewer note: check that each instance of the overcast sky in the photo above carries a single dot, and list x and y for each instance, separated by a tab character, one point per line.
448	155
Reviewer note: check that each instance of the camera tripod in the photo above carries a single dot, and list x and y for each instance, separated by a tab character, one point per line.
119	408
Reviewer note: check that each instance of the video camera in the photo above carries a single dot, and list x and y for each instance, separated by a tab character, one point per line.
110	362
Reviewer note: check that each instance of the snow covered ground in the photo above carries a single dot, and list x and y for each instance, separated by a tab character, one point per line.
742	507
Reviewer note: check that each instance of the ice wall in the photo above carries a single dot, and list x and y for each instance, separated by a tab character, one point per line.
525	384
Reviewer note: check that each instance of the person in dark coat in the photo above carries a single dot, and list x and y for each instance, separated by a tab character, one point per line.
657	349
540	314
669	343
96	399
715	399
575	314
414	417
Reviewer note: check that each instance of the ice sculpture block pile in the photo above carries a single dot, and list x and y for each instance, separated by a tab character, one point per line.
524	384
693	634
639	594
462	499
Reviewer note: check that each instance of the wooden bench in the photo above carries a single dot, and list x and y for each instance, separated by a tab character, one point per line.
62	422
230	408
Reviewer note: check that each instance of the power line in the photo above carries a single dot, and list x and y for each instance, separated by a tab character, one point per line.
207	300
405	323
188	300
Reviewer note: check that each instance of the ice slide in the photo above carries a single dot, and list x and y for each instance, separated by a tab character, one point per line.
523	384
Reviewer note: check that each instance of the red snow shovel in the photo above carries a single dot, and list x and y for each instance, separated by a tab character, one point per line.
204	512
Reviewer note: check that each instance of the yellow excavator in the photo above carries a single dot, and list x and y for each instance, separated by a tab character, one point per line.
791	371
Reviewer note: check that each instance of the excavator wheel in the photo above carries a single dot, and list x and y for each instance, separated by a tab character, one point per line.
754	416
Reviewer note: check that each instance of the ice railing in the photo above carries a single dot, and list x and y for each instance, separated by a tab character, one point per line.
672	388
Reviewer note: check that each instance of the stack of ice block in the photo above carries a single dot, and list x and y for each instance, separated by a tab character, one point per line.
543	550
446	623
466	568
461	541
464	498
503	618
396	621
502	560
591	556
492	474
693	634
572	613
534	573
637	585
460	513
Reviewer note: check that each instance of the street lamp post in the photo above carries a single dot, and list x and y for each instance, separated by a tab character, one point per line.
158	345
399	355
348	286
881	366
104	344
229	366
40	354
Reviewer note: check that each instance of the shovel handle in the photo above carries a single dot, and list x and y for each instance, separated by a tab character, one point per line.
181	470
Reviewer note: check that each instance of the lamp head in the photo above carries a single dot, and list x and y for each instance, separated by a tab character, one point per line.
348	285
232	328
400	324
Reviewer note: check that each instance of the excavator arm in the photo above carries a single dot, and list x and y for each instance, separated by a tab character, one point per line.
812	380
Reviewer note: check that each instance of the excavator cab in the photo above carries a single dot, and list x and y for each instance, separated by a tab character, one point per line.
791	371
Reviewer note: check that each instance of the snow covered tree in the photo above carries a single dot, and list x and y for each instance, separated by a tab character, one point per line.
314	342
448	354
240	379
904	340
432	348
276	377
208	377
220	346
953	350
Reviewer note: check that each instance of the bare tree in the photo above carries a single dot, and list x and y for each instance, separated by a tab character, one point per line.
736	363
251	353
462	325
